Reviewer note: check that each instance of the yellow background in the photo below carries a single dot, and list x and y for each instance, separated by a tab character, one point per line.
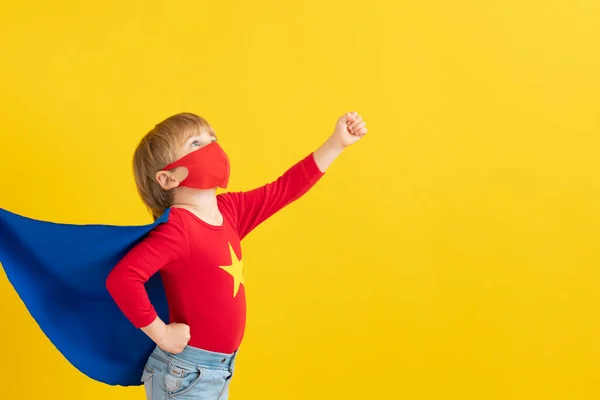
452	254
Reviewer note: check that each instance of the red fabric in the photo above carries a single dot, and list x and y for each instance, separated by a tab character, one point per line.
208	167
189	254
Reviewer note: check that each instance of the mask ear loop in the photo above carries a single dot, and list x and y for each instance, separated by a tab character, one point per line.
181	174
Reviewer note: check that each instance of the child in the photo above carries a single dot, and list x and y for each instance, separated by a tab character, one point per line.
178	167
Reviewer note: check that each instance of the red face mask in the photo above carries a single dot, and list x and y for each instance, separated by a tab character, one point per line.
208	168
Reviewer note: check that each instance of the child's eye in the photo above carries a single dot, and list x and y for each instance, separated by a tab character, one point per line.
196	143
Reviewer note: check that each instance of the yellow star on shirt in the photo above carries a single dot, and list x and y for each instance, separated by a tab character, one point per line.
235	270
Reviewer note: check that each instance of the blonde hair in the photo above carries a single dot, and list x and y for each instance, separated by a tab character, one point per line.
156	150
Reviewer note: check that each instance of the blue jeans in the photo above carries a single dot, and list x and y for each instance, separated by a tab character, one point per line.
192	374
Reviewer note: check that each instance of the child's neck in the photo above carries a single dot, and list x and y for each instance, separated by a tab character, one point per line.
202	203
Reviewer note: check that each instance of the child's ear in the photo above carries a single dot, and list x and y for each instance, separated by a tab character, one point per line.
171	179
165	180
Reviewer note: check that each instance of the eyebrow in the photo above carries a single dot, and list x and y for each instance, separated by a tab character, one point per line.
198	137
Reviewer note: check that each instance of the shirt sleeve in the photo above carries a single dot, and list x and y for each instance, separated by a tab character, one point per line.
165	244
249	209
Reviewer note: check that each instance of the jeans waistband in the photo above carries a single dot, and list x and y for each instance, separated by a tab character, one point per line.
199	357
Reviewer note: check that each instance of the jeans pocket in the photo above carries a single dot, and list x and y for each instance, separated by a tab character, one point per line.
179	379
147	380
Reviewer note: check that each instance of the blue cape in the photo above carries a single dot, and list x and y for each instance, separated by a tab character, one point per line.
59	272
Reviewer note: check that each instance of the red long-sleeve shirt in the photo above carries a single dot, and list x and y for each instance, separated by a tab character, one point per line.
200	264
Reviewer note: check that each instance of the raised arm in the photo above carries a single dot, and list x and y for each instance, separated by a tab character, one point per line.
249	209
